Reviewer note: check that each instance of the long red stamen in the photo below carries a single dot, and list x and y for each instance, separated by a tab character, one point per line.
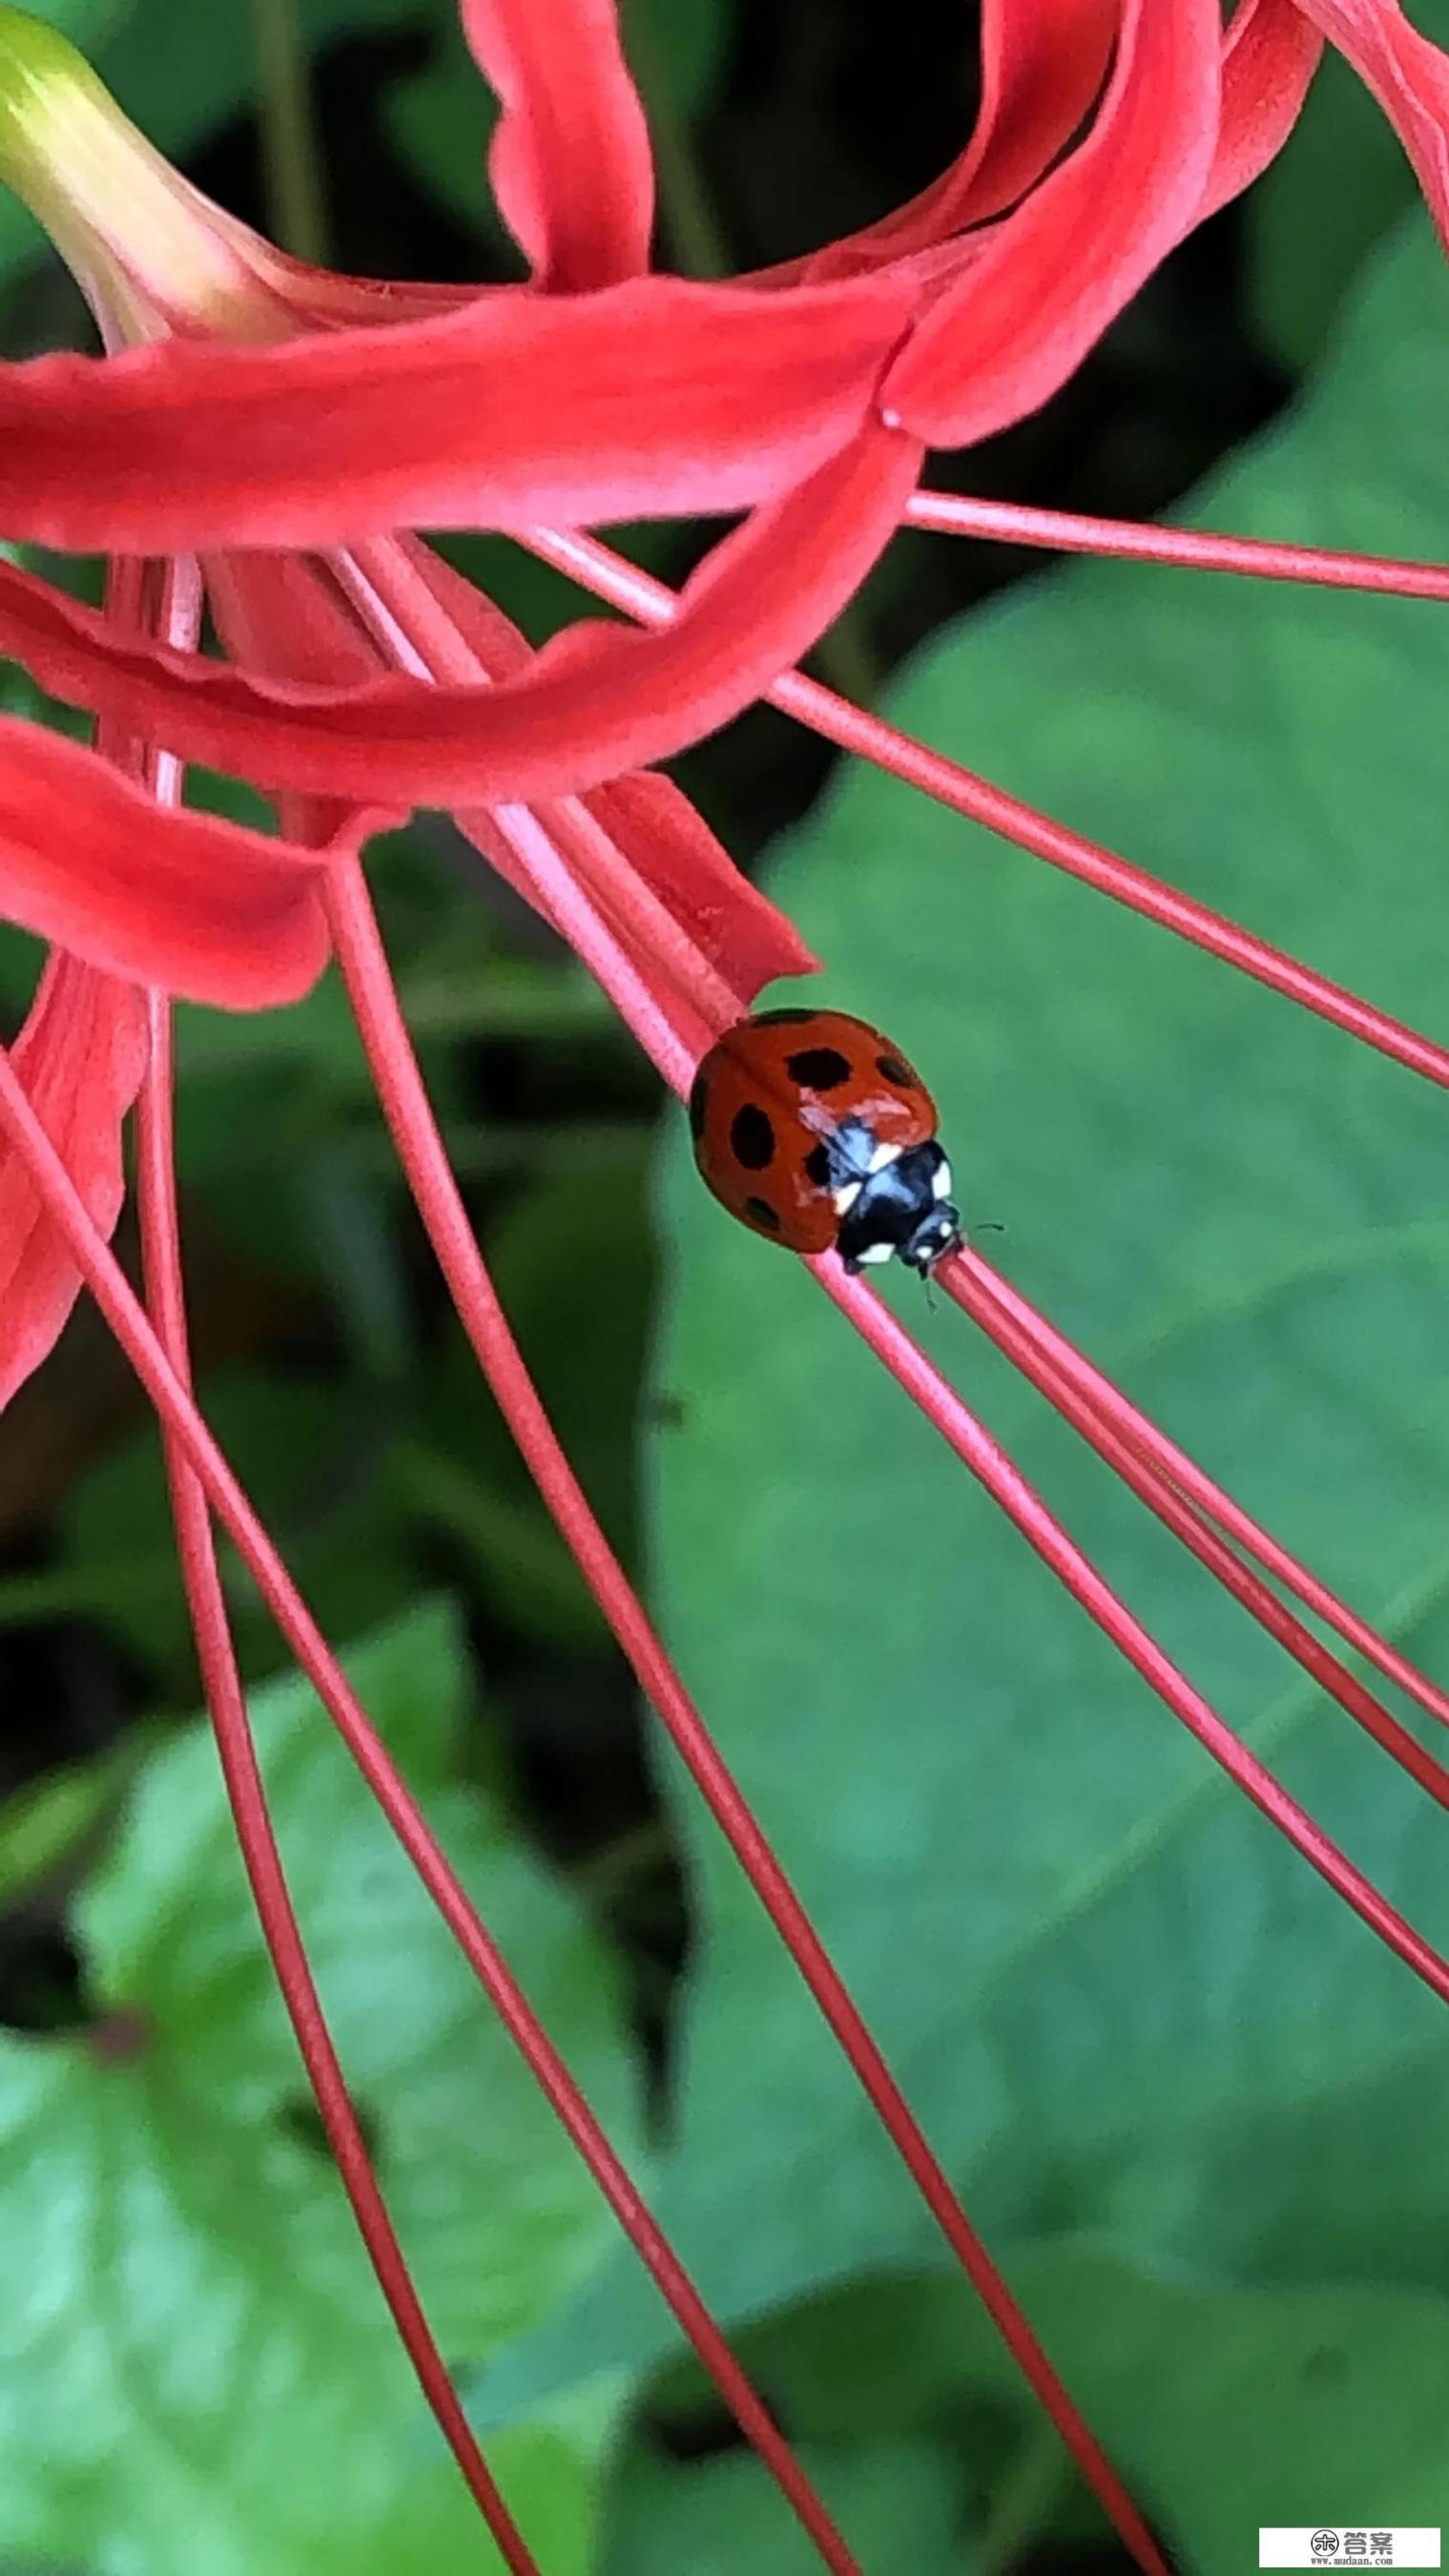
927	1388
1072	532
1042	1531
172	1401
870	738
424	1159
168	601
1200	1489
974	1295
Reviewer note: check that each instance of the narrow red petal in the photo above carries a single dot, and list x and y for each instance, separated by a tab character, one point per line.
570	163
80	1056
1042	65
1269	58
1043	287
1408	76
596	702
745	937
198	906
648	399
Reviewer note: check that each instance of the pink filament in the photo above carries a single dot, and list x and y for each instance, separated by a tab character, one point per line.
1190	1479
424	1158
599	949
1187	549
1008	1487
168	600
871	738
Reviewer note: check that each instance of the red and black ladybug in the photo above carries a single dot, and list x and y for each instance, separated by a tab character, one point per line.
813	1129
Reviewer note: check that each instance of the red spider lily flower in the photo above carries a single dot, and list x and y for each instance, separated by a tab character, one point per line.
353	409
670	422
253	403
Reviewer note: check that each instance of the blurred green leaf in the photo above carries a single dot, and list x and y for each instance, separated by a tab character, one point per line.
317	1463
1339	183
573	1262
46	1826
1118	2001
197	2374
179	75
896	2503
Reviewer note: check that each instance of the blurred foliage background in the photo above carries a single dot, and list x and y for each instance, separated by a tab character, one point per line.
1197	2110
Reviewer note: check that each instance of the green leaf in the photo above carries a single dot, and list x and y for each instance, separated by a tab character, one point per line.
197	2374
1118	2001
1339	183
895	2501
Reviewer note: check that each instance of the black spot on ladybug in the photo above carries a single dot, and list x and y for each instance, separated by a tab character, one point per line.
698	1106
786	1017
817	1166
818	1068
752	1138
761	1212
894	1068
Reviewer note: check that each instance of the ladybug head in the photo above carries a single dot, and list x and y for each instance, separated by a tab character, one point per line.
902	1207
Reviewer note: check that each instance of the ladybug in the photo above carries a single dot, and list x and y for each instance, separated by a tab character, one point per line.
813	1129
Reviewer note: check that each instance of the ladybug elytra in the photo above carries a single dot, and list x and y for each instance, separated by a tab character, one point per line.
813	1129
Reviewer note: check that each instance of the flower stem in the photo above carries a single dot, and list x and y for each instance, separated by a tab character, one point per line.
291	146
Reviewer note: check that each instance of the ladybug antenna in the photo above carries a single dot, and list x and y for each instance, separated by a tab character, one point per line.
987	1225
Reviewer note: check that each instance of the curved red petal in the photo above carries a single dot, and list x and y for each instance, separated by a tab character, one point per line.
80	1056
198	906
1408	76
290	617
595	702
651	823
1043	63
570	163
647	399
1043	287
1269	57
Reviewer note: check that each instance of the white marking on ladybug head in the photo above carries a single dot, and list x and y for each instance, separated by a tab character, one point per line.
844	1198
875	1252
941	1181
883	1156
